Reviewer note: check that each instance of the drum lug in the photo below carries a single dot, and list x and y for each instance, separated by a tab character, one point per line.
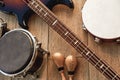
84	28
38	45
118	41
44	51
97	40
41	50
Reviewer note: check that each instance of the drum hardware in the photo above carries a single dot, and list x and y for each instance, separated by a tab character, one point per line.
59	60
84	28
97	40
118	41
24	51
71	63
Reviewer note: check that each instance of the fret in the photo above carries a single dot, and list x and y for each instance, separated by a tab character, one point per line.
38	7
109	72
40	10
90	57
74	39
87	54
35	4
71	40
114	77
78	45
32	2
105	69
97	63
66	34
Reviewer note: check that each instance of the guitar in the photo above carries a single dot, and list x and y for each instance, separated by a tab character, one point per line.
39	8
67	35
23	12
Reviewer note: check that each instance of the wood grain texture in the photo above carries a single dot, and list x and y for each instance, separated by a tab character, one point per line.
51	41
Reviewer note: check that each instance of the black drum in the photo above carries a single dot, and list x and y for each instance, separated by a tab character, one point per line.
20	53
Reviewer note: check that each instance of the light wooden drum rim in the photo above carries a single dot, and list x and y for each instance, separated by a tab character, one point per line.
89	21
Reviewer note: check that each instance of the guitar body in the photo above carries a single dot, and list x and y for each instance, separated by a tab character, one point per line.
23	12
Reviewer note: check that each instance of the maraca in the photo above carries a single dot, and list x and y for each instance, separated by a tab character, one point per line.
59	60
71	63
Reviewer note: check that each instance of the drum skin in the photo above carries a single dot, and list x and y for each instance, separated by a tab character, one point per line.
101	18
16	53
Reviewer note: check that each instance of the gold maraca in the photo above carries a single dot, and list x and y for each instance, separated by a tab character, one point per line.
71	63
59	60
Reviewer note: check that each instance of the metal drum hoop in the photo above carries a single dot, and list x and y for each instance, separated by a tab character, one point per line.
28	67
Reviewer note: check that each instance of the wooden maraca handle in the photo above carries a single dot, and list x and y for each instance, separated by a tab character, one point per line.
63	76
71	63
59	60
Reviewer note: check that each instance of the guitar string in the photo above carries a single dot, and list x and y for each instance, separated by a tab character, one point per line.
57	31
72	38
68	36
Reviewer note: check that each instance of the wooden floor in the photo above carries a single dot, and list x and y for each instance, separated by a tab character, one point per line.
51	41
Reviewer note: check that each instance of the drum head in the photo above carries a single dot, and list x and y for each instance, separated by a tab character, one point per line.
16	50
102	18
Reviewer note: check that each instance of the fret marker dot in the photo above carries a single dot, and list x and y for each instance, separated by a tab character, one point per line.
54	22
76	42
66	33
88	53
102	66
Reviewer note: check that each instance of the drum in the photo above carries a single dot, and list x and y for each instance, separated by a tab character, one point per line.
101	18
20	53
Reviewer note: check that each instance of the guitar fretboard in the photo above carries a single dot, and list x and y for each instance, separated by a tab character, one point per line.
66	34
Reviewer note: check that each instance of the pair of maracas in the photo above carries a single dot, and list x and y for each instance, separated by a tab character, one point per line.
70	61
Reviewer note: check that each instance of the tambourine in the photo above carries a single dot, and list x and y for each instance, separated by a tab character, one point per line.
101	18
20	53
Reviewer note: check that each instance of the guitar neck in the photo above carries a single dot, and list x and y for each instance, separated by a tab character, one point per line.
66	34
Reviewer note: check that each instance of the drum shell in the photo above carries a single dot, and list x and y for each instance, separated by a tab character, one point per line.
36	59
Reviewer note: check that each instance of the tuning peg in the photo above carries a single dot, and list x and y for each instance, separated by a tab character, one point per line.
59	60
71	63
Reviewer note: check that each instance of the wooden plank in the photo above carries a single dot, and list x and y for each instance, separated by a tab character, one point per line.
108	52
73	19
54	43
40	29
